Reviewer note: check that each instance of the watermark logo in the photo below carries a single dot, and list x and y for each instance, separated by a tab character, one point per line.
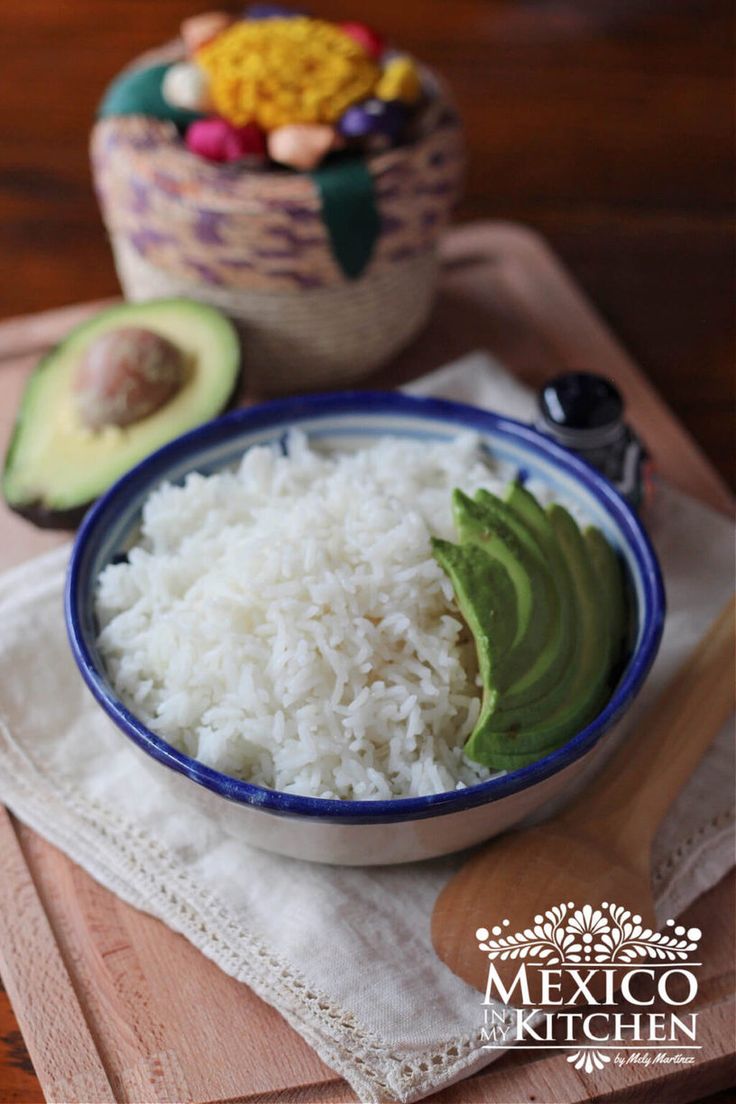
588	977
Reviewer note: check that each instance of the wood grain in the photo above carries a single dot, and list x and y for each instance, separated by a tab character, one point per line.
18	1082
599	847
36	979
537	323
607	126
631	797
158	1004
157	1010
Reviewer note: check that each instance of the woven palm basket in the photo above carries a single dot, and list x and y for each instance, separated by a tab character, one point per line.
256	245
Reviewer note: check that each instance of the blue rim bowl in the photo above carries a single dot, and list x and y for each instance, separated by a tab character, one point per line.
109	524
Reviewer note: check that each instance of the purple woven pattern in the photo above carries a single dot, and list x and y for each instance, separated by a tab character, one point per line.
225	227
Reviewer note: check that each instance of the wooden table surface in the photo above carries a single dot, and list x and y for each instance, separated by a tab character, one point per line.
605	124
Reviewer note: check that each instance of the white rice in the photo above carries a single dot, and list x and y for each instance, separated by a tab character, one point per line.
286	623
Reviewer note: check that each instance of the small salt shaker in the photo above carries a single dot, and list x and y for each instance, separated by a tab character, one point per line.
584	412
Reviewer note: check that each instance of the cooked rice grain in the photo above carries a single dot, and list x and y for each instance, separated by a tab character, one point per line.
286	623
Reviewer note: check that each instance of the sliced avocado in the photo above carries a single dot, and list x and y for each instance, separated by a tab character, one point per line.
56	465
525	506
540	692
608	570
552	661
605	561
587	691
536	597
561	682
487	600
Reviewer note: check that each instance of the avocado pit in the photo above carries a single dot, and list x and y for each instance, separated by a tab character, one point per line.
118	387
126	374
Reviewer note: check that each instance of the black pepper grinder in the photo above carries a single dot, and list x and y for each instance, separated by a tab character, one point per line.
584	412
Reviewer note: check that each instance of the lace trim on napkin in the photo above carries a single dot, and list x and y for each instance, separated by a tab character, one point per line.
136	867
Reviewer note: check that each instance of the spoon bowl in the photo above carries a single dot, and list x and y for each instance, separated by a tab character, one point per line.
598	850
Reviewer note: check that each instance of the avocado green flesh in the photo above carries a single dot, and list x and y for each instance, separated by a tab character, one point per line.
569	589
531	700
55	466
535	593
486	597
536	707
590	663
544	674
608	571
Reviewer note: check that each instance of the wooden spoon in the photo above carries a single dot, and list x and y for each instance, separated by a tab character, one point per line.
598	849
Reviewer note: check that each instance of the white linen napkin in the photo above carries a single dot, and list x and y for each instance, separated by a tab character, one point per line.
344	954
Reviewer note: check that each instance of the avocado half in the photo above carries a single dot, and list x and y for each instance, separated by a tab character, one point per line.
55	466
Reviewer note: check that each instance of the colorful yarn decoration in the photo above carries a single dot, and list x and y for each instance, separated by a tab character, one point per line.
218	140
285	86
282	71
365	36
138	92
400	80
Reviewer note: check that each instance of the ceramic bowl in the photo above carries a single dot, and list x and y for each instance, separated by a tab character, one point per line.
365	832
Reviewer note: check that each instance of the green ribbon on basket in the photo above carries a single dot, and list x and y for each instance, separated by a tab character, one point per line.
345	185
138	92
349	212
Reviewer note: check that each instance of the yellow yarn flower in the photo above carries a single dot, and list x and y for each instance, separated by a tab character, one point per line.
280	71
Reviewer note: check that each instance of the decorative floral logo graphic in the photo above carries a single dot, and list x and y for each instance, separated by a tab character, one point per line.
567	938
588	1060
610	934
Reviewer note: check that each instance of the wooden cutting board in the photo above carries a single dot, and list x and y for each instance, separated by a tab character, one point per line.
114	1006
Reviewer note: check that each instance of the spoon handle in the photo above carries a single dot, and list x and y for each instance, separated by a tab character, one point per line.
626	804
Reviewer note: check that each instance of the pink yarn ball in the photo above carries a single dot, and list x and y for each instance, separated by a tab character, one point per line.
208	139
251	140
217	140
